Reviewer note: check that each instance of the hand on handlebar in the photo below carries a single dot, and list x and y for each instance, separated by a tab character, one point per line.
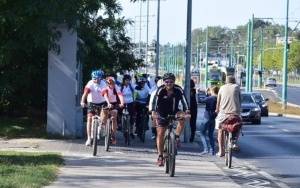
121	105
82	104
155	115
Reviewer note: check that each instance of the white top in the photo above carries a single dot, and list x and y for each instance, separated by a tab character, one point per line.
95	91
128	94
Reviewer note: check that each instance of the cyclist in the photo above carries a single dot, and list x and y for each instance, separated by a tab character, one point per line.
141	97
92	94
166	101
127	90
113	96
229	101
158	84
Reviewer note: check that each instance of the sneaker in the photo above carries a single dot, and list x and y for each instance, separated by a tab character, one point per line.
113	140
178	142
132	136
220	154
153	137
204	153
88	142
160	161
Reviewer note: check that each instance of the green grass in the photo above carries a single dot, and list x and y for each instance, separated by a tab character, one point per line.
25	127
277	108
28	169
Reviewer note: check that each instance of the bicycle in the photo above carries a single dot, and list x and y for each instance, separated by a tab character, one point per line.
96	122
126	125
143	122
230	127
108	129
170	147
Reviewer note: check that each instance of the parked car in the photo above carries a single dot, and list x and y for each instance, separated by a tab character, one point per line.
271	81
262	102
251	111
200	95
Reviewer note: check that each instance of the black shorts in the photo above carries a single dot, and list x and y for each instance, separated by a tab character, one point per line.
162	122
89	111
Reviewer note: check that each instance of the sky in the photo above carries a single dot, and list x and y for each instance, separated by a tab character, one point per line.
205	13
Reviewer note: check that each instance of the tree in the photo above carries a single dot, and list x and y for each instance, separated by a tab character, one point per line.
28	31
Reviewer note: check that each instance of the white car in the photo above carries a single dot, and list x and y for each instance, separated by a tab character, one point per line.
271	81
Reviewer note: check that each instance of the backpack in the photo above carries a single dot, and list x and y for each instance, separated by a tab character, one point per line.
130	86
232	123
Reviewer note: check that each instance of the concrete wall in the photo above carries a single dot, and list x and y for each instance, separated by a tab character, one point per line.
63	116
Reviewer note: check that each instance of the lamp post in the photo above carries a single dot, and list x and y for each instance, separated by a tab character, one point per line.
157	39
206	58
285	58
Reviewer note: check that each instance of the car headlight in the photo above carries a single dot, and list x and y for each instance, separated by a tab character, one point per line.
264	105
256	109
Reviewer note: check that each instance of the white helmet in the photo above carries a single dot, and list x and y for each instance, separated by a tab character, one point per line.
160	82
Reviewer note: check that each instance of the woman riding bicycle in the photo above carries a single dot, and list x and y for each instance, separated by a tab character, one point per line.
112	94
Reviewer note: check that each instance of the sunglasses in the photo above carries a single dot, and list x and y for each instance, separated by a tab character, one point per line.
96	78
169	82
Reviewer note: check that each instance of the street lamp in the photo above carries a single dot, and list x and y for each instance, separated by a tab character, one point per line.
285	58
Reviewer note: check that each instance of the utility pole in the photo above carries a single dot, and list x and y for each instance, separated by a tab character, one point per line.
188	65
285	59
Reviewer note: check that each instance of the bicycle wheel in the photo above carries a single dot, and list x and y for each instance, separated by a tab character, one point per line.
127	123
172	154
107	135
230	149
225	144
166	151
143	127
95	130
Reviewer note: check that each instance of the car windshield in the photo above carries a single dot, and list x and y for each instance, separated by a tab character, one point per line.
247	99
258	97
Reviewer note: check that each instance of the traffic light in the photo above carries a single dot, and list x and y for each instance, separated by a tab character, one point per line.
260	73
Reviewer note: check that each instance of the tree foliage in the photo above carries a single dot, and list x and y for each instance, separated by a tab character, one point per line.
28	31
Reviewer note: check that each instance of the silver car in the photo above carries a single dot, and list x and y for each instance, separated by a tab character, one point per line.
271	81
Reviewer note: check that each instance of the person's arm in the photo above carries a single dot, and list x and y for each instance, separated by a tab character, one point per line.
83	99
218	103
121	97
105	95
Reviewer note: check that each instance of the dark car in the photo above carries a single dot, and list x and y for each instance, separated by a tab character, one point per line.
251	111
200	95
262	102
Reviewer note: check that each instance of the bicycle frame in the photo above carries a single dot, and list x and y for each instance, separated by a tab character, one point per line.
108	129
95	128
170	147
126	125
228	145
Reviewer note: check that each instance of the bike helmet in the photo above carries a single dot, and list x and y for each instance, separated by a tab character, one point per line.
126	77
169	76
160	83
138	75
142	80
97	74
157	78
110	80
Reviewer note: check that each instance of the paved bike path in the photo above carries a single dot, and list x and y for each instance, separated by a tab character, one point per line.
127	166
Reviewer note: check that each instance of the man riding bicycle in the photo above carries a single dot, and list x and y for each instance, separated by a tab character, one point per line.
166	102
92	94
229	101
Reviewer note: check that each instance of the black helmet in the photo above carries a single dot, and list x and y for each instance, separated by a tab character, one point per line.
126	77
169	76
157	78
